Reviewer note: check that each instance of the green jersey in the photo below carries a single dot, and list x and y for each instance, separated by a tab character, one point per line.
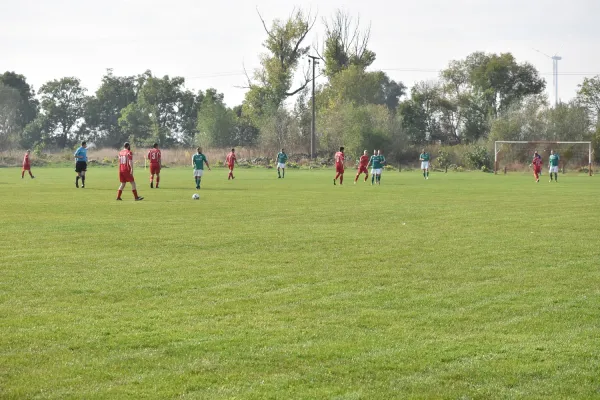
281	158
375	162
198	160
424	157
554	158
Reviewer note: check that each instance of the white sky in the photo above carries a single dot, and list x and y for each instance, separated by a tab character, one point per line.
208	42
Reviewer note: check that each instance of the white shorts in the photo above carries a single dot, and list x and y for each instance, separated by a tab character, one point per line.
424	164
281	165
376	171
554	169
198	172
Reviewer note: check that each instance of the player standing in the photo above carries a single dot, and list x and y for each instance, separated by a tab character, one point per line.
126	172
372	161
363	162
382	163
339	166
424	158
198	161
537	166
281	160
26	165
231	160
155	159
553	165
81	164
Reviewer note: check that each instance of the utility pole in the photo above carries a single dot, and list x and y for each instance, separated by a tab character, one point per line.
555	59
314	61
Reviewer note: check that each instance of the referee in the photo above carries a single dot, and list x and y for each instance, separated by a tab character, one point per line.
81	164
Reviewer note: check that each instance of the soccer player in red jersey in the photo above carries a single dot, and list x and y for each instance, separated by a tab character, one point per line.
537	166
154	157
26	165
126	171
231	160
362	167
339	166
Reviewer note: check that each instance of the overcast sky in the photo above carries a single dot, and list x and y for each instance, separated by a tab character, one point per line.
208	42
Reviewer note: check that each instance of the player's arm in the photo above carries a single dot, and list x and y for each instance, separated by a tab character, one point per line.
206	162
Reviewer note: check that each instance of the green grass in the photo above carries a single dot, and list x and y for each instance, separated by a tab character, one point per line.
466	286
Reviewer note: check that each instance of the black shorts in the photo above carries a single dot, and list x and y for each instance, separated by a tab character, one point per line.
80	166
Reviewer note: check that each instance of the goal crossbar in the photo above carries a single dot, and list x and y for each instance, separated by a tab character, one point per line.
500	142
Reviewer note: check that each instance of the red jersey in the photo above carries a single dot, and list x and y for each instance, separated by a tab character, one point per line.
230	158
537	161
339	159
363	162
26	160
154	156
126	161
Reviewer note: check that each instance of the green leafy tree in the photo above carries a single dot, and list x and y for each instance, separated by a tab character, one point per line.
272	83
28	106
10	127
588	96
215	121
63	103
345	44
102	111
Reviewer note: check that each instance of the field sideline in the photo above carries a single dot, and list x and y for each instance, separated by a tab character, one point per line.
465	286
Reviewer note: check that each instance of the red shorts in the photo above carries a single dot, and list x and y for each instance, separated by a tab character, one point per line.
154	168
230	166
339	169
363	170
537	170
26	168
125	176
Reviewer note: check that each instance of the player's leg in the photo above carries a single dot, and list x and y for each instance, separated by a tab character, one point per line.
283	172
556	175
82	179
77	178
22	174
30	174
120	190
427	173
134	191
373	175
357	175
342	178
278	172
157	178
550	173
151	178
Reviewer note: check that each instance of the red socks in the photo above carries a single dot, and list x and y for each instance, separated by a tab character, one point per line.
119	194
135	193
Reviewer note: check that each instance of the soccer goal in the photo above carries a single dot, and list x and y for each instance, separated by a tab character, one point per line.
511	155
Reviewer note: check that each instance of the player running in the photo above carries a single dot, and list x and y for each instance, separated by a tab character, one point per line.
198	161
281	160
126	172
26	165
81	164
339	166
553	165
424	158
231	160
363	162
155	159
537	166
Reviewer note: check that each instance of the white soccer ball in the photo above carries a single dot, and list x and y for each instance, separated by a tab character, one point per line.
196	196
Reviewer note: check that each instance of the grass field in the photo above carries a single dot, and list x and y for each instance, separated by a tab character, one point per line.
466	286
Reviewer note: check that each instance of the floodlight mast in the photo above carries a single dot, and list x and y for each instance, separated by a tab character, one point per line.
497	150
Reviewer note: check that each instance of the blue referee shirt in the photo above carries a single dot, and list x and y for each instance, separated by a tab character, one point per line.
81	152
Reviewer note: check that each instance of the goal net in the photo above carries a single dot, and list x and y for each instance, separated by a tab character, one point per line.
517	155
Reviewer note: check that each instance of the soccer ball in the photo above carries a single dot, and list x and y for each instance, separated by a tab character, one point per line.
196	196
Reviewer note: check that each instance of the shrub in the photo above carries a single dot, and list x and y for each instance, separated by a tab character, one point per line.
478	157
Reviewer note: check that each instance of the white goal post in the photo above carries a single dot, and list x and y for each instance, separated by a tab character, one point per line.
498	144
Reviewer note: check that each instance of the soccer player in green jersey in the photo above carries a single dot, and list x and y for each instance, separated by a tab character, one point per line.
553	165
198	161
382	163
372	161
281	160
424	158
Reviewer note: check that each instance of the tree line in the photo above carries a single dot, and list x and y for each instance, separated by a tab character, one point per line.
483	97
